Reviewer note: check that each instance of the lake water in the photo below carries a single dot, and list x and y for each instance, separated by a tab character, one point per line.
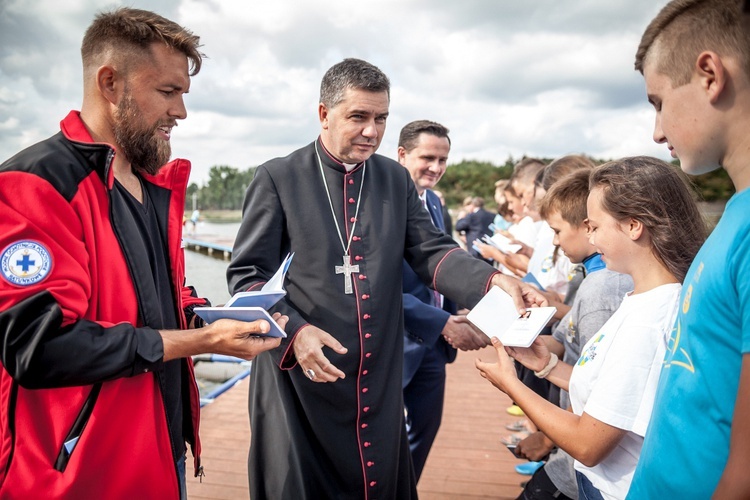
208	274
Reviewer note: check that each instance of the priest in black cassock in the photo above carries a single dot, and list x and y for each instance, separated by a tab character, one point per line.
326	408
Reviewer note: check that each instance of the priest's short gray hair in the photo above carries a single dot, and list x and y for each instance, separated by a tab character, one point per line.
351	73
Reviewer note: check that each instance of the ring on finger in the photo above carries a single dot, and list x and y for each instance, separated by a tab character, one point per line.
310	373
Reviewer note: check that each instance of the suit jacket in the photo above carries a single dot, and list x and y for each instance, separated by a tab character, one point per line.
447	221
476	224
423	322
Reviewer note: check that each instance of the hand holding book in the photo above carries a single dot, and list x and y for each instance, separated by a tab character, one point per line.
496	316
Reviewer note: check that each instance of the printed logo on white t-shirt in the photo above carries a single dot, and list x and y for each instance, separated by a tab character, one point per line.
547	264
590	353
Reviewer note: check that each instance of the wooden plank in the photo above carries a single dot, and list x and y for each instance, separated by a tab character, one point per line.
467	460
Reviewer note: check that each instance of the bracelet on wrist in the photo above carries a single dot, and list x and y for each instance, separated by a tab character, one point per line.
553	359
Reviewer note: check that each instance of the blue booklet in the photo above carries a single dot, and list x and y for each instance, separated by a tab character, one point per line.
531	279
211	314
252	305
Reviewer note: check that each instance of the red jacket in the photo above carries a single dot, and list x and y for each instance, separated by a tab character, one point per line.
77	364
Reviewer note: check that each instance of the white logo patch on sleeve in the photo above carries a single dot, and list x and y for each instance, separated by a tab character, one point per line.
25	263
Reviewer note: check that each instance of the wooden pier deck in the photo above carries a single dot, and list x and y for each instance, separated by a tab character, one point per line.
467	460
212	245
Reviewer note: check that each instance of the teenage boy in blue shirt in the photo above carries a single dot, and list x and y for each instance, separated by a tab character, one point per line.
695	58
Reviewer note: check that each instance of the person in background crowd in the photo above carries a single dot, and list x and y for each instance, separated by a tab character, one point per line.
476	224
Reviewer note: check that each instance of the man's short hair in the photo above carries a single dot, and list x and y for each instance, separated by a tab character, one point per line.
355	74
685	28
125	35
477	201
409	136
568	198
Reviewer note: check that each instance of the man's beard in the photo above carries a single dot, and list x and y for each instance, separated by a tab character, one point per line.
137	141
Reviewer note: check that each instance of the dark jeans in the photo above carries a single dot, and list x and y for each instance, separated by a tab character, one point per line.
586	490
181	477
541	487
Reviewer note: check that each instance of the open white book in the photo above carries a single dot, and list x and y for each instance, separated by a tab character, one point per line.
252	305
496	316
502	243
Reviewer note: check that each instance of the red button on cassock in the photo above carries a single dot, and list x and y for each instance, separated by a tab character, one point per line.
352	220
358	257
351	200
362	277
351	181
365	296
365	372
367	444
356	238
370	464
365	389
368	354
366	409
373	483
366	316
364	426
368	335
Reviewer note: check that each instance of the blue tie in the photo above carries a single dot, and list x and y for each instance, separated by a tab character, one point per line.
437	297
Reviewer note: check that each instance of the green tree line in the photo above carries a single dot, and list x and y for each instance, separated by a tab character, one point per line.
226	186
224	190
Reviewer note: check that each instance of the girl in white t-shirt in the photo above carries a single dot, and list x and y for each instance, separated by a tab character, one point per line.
644	222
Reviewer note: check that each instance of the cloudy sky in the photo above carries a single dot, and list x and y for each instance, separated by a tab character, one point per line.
508	77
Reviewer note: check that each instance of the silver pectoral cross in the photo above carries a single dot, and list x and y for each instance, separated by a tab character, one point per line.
347	269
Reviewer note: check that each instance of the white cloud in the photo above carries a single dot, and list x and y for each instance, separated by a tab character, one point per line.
539	78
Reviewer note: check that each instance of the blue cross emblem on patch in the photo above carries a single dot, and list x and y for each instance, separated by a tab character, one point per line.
25	263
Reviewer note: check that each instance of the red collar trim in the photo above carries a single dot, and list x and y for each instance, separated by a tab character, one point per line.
74	129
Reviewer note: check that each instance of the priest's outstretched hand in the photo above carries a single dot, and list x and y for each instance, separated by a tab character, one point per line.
523	294
308	349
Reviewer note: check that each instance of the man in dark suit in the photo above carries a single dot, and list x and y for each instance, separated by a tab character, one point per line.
476	224
432	330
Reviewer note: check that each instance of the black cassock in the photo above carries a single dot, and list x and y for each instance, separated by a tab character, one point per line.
344	439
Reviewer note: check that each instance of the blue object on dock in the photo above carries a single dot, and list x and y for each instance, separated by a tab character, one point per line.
529	468
222	388
221	358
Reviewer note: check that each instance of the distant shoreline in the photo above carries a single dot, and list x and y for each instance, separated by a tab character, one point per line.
711	210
